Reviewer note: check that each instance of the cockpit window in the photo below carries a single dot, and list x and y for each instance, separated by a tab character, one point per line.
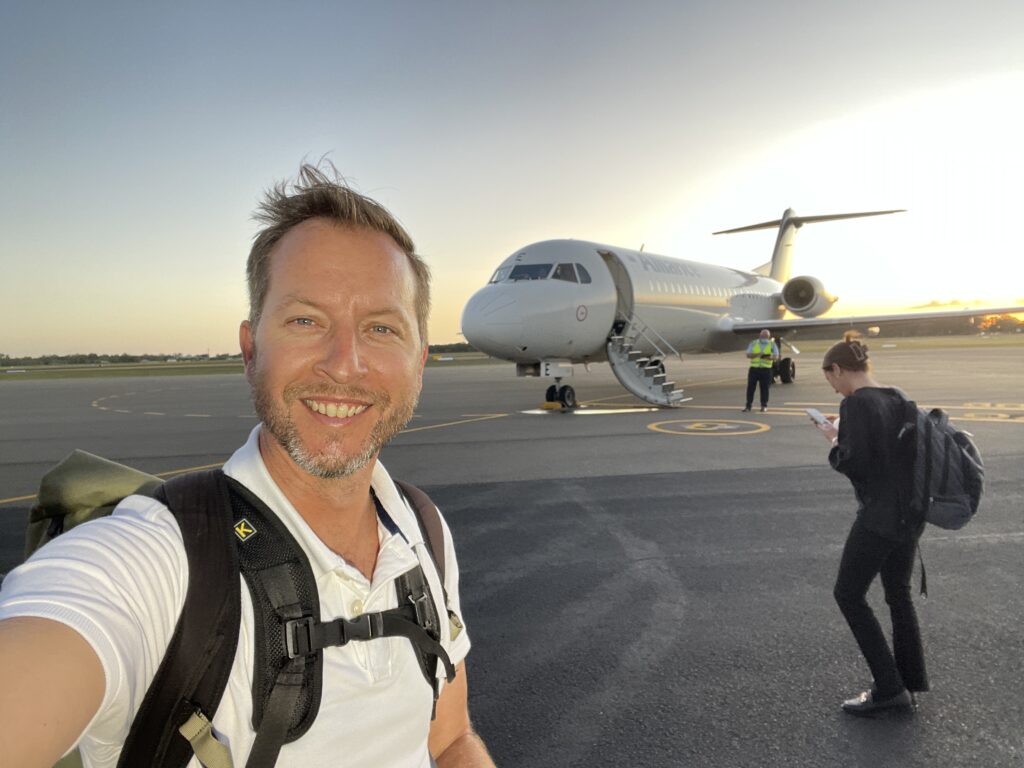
584	275
530	272
565	272
502	273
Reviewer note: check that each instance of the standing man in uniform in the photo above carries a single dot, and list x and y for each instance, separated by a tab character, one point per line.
762	353
334	349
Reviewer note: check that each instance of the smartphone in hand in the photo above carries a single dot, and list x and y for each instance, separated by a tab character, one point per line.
816	416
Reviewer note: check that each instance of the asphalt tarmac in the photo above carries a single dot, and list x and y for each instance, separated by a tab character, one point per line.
647	587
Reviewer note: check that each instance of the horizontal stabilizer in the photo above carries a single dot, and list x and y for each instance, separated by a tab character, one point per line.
788	226
798	221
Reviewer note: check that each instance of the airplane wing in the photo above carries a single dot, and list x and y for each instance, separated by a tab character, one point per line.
744	327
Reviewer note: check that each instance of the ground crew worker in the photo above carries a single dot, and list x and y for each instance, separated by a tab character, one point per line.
762	353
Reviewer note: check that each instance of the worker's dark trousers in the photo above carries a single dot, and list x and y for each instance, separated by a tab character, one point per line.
755	376
866	555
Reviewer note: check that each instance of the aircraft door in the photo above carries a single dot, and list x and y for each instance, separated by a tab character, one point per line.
623	289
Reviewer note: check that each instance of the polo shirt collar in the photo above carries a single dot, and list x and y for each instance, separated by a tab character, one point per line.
247	467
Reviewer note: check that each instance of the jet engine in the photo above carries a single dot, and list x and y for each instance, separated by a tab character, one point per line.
806	297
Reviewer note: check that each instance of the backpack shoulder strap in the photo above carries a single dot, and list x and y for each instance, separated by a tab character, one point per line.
286	687
429	520
193	674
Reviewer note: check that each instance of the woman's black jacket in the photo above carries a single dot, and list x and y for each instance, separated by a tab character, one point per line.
869	454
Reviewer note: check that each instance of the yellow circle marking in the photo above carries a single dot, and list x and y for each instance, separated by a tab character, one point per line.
717	427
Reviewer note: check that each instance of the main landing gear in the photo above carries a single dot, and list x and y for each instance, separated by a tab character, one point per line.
784	370
565	395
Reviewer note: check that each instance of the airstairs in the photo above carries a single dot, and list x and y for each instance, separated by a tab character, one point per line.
636	354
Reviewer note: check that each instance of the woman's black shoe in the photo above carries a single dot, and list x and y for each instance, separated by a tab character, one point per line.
866	703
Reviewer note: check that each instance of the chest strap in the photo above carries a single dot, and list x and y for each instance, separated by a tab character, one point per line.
307	636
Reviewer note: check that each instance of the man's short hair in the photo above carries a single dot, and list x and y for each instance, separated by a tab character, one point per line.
315	194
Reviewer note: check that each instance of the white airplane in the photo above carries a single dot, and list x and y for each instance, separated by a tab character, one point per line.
560	302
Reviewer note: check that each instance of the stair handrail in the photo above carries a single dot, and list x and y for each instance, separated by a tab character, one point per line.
637	327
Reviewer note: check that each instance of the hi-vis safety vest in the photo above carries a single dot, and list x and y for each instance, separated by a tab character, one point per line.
761	348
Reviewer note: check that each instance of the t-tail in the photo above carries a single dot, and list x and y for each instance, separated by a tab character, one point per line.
779	267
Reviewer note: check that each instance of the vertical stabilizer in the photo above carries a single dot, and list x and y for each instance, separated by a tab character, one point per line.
788	225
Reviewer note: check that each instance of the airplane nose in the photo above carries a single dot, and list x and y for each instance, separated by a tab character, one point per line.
493	323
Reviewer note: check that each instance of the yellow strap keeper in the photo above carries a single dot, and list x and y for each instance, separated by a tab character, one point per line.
210	752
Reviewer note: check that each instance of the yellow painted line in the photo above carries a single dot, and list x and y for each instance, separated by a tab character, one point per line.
705	428
830	404
777	410
171	472
695	385
995	418
455	423
620	407
993	406
606	399
730	380
17	498
965	406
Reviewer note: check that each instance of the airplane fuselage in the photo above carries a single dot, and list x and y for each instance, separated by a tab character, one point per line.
563	299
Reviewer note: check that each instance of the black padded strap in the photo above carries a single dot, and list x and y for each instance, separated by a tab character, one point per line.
283	589
430	523
281	704
197	663
278	712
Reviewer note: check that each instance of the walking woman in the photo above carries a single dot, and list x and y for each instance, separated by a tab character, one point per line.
883	538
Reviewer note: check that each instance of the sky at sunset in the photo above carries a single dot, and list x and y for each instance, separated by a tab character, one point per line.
136	138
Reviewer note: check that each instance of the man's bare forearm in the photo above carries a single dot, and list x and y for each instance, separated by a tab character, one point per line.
468	751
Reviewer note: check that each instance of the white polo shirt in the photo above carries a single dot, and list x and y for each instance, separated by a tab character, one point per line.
121	581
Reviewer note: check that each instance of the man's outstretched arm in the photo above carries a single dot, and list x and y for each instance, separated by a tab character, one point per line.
453	742
51	684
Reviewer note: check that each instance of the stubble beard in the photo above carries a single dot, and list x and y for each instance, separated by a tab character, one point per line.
330	462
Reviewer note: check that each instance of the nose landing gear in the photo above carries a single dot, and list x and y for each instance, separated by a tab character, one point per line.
565	395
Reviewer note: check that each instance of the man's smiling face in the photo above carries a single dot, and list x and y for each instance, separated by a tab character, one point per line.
336	360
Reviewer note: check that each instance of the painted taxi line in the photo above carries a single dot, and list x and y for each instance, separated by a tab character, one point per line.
468	419
104	404
995	413
706	428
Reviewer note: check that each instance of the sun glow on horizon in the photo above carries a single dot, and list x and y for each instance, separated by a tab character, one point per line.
952	157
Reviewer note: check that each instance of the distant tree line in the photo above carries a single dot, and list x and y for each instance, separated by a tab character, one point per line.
956	326
94	359
457	347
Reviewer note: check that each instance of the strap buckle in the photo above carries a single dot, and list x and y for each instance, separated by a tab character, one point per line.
298	637
364	627
424	616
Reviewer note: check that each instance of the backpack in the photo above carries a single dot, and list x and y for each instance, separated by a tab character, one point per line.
945	475
228	531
